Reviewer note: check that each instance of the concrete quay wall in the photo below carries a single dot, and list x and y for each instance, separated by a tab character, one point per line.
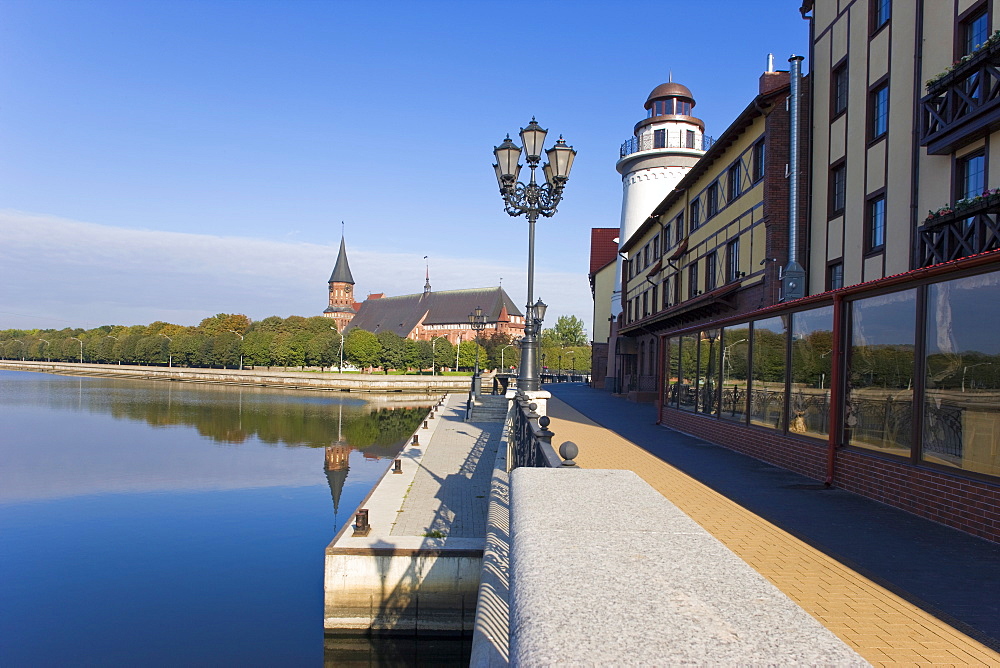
354	382
403	585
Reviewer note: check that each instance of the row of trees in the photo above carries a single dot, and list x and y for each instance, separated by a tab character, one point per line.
233	341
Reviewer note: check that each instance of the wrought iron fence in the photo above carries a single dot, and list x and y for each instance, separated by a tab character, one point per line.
650	141
529	440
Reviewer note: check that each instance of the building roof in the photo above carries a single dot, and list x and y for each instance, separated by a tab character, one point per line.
669	89
603	247
342	271
447	307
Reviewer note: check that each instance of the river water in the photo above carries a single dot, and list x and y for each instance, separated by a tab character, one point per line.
163	523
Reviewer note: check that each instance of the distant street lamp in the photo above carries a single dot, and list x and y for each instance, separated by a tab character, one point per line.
458	350
340	369
570	354
509	345
47	358
725	354
477	319
972	366
81	347
532	200
109	336
170	355
241	346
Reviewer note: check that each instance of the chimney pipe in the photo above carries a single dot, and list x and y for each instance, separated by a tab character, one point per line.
793	282
770	62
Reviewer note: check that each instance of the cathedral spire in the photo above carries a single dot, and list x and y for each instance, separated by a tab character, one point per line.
427	277
342	270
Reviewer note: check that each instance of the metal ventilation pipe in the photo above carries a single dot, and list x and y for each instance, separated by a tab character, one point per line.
793	282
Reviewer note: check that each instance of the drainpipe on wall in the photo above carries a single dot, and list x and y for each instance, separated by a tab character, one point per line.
794	279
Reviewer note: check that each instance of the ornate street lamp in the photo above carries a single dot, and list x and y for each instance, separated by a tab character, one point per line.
81	347
241	345
532	200
170	355
477	319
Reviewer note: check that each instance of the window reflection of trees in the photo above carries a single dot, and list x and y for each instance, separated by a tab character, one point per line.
767	383
811	348
735	372
961	425
879	406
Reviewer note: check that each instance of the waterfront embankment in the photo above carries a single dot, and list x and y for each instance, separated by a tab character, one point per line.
302	380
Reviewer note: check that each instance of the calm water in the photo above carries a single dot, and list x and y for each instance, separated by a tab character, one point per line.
163	523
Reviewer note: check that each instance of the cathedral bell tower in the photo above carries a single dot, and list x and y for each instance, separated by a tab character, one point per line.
341	283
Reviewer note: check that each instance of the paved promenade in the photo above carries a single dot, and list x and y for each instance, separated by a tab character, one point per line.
897	589
450	490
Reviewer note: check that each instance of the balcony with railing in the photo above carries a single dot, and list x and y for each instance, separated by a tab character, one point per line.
970	227
650	141
963	103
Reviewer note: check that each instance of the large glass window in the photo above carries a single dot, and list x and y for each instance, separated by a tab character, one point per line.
812	346
687	393
735	372
962	398
879	407
767	372
708	372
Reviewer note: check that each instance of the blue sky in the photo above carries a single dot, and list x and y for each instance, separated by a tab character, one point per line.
168	160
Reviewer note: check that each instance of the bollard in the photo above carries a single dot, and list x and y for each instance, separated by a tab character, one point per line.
361	526
425	424
431	416
416	440
397	466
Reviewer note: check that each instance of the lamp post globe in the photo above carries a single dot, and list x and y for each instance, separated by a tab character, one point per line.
532	200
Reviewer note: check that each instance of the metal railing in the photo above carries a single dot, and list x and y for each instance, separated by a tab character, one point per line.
530	441
650	141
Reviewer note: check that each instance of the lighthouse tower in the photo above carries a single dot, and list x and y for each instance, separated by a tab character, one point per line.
664	146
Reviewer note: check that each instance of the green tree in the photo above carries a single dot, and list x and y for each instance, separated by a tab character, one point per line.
323	349
257	348
224	322
362	348
392	348
568	331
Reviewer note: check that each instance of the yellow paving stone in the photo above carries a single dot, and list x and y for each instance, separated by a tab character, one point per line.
883	628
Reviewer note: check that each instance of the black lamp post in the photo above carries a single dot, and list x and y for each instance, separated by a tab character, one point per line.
532	200
477	319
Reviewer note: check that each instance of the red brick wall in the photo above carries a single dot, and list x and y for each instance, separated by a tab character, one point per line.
970	505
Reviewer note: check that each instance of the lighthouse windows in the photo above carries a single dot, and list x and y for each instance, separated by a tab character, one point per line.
659	138
669	107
